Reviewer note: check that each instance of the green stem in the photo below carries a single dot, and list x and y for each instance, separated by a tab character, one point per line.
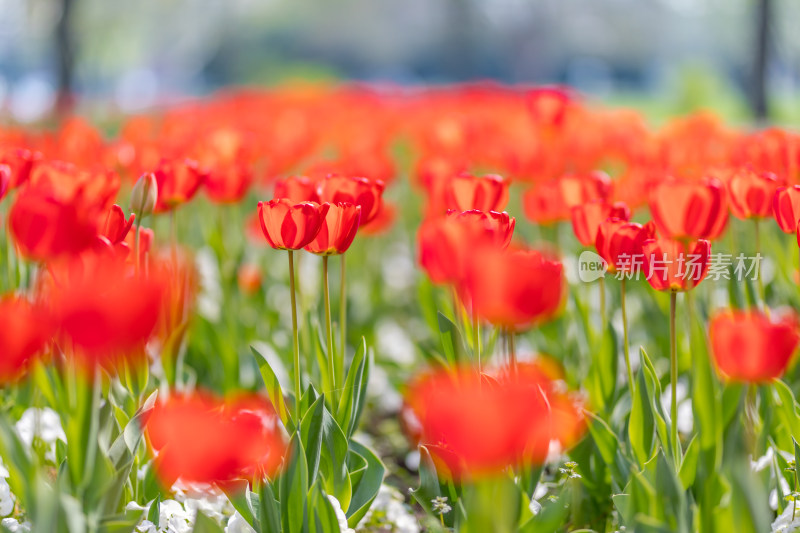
331	355
343	312
296	342
625	337
476	338
761	293
512	352
603	302
137	223
673	376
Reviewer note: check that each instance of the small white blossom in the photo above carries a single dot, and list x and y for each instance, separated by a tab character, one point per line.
237	524
14	526
6	498
340	516
43	424
784	523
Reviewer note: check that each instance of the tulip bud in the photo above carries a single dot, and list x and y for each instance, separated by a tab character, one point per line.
144	195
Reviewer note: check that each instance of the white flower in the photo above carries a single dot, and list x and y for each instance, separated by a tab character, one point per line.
44	424
3	470
6	498
147	527
340	516
14	526
237	524
173	518
784	522
396	513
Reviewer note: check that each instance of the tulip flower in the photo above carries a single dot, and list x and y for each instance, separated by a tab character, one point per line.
357	191
498	227
672	265
202	439
178	181
587	218
689	209
444	243
45	227
751	193
289	226
144	195
474	428
786	207
484	193
249	278
513	288
619	243
749	347
337	231
554	200
26	328
297	189
5	180
228	183
20	162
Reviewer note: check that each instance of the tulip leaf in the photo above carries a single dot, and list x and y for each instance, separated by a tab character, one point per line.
323	518
204	524
354	394
365	491
641	424
311	432
269	510
293	488
688	470
451	340
273	387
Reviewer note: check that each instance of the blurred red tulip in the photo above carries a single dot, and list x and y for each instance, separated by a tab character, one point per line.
442	248
25	329
752	193
20	162
202	439
383	222
620	243
499	227
586	218
116	226
289	226
514	288
475	426
95	188
45	227
249	278
228	183
297	189
466	192
689	209
357	191
675	265
749	347
338	229
5	180
553	201
786	207
178	181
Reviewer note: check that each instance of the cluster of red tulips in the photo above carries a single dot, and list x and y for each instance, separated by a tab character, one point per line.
90	289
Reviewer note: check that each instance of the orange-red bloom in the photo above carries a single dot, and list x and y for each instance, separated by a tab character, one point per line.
289	226
339	227
689	209
474	426
749	347
228	183
25	330
552	201
515	288
675	265
786	207
357	191
483	193
297	189
5	180
752	192
499	227
202	439
620	243
586	218
178	181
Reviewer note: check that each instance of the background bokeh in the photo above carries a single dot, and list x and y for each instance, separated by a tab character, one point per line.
664	56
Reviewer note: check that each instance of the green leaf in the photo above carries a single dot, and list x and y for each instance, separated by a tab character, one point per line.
204	524
601	381
641	424
273	388
368	485
269	509
293	487
311	432
688	470
323	517
451	340
354	394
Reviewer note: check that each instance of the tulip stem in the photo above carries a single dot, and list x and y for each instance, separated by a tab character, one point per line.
625	336
673	377
512	351
138	223
476	337
603	302
343	311
331	355
295	342
761	294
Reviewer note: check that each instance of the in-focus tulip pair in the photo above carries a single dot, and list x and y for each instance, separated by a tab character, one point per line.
203	439
750	347
474	425
689	209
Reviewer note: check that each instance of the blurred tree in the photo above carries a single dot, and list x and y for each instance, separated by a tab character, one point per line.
65	57
762	48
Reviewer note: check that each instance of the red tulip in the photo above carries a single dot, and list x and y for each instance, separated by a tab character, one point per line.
45	227
786	207
297	189
515	288
586	218
476	426
5	180
104	308
499	227
749	347
116	226
95	189
554	200
20	162
202	439
25	329
675	265
483	193
689	209
620	243
178	181
357	191
443	246
288	226
339	227
249	278
228	183
752	193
